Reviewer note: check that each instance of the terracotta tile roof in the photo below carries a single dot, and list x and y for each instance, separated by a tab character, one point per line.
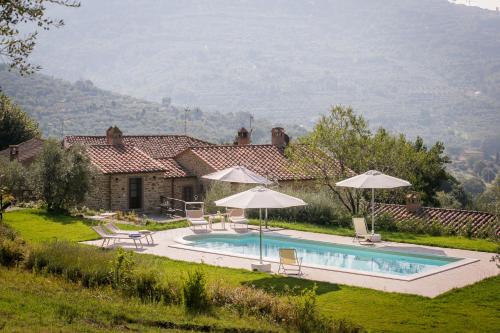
27	149
454	218
173	169
122	159
266	160
157	146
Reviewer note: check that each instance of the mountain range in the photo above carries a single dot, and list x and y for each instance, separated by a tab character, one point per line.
61	107
422	67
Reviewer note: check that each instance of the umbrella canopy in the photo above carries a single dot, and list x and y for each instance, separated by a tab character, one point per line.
238	174
373	179
260	197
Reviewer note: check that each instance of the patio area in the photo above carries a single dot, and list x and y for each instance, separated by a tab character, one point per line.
168	244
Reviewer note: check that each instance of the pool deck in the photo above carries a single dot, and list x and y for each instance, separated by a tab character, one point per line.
478	267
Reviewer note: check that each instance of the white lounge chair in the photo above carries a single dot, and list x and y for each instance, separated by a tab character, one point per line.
195	218
361	231
107	237
237	216
288	257
115	230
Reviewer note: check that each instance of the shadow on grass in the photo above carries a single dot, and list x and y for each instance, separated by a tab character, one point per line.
62	218
290	285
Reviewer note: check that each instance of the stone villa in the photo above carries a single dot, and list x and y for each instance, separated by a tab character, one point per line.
136	171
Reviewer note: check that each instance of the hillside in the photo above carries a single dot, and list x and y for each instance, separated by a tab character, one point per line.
82	108
422	67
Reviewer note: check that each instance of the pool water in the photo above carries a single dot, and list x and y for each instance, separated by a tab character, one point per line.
317	253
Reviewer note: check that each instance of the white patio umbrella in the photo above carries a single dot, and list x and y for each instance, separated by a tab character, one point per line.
260	197
373	179
238	174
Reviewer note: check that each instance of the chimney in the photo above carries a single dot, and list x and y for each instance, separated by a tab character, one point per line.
114	136
279	138
14	152
413	203
243	138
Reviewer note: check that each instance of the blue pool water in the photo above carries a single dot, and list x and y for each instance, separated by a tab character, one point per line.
323	254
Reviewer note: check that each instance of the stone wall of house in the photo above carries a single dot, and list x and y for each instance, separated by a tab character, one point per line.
99	195
194	164
299	185
180	183
174	187
151	183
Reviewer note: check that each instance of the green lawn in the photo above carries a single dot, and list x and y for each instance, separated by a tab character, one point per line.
474	308
457	242
153	226
36	225
30	303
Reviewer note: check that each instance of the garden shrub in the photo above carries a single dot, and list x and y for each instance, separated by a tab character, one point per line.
77	263
305	312
415	226
297	313
467	229
386	222
247	300
195	293
13	249
121	269
321	209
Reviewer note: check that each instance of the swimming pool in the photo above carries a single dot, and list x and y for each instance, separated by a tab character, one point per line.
374	261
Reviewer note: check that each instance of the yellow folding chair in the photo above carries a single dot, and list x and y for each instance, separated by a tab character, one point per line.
288	257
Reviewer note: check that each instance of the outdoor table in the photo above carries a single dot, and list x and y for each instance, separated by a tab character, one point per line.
221	217
106	215
148	233
136	236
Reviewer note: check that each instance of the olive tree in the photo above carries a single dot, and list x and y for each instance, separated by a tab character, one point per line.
333	151
62	176
342	145
15	178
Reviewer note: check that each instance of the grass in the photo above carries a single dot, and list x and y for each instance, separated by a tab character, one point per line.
36	225
153	226
31	302
457	242
475	308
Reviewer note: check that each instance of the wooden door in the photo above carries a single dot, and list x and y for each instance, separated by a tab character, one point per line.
135	193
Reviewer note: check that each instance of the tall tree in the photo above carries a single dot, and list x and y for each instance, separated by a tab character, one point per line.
337	142
341	141
15	125
15	13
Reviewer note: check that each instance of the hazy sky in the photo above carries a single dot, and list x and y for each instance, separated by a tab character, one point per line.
488	4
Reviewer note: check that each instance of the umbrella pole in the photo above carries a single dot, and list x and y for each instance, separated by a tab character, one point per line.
373	210
266	219
260	233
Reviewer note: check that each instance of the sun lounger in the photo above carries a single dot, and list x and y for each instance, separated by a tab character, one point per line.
115	230
361	231
107	237
195	218
288	257
237	216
